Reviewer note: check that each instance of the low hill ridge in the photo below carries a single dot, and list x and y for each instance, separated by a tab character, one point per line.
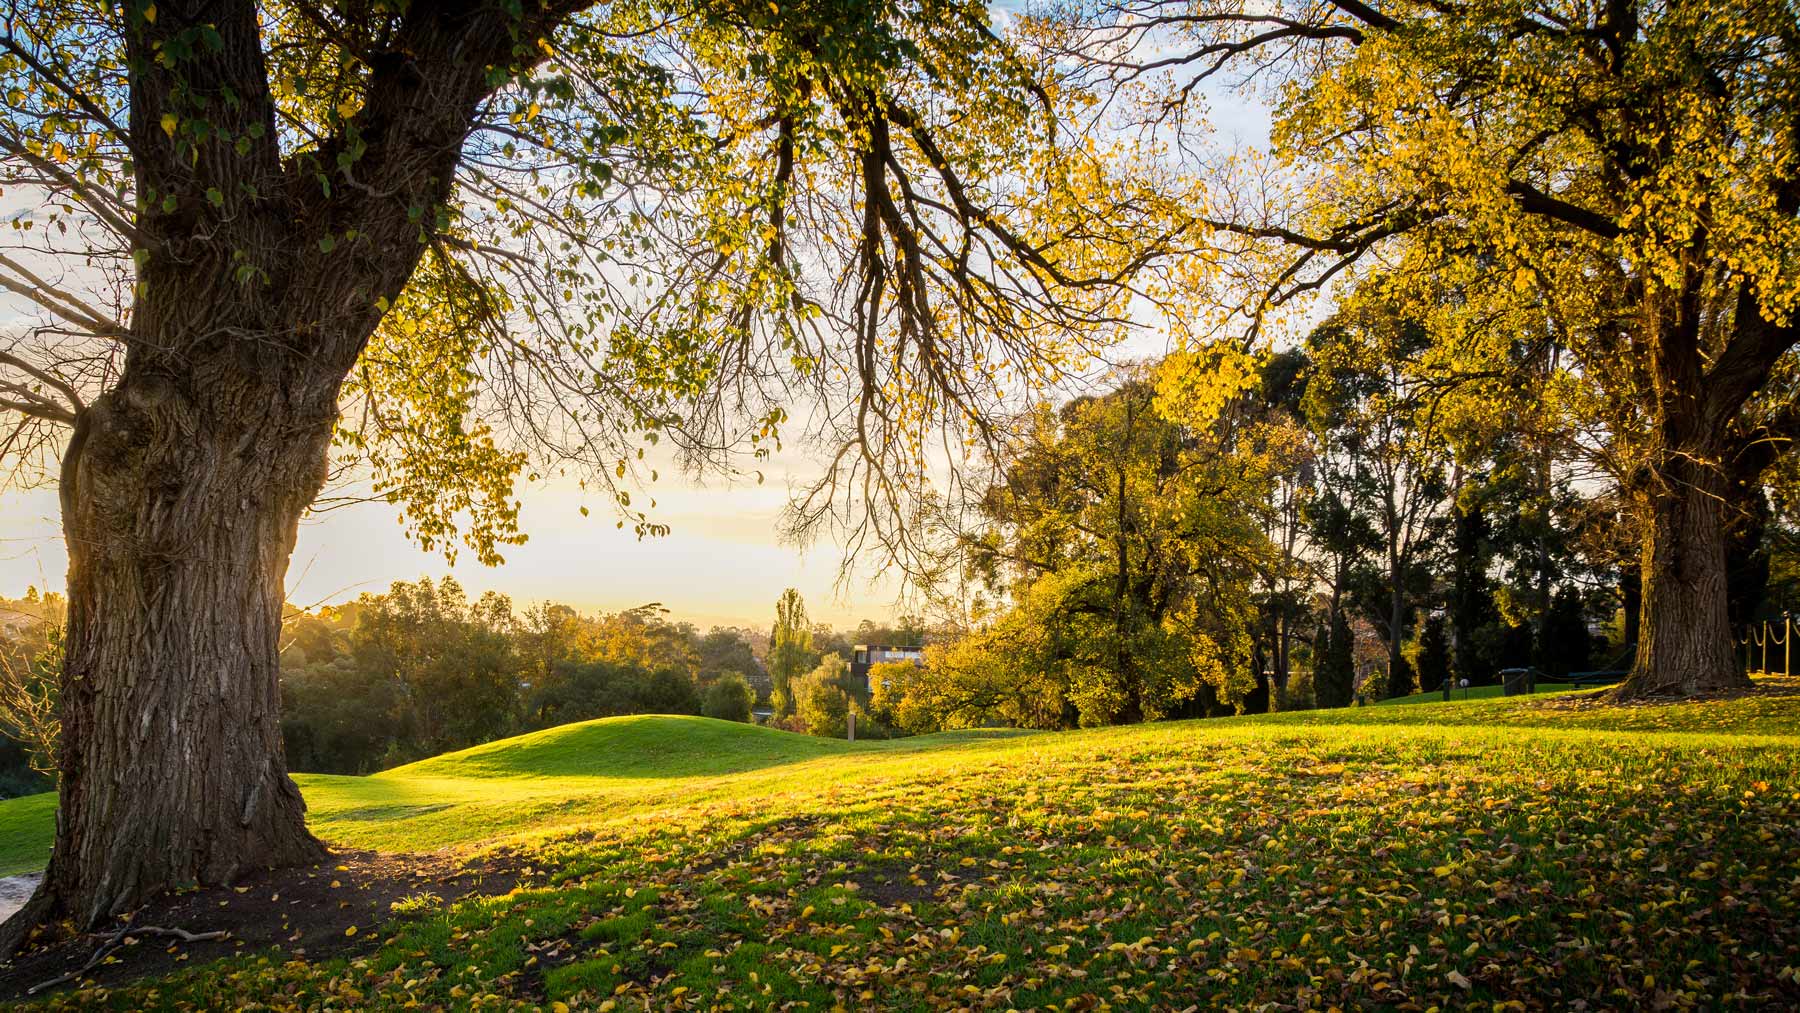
637	746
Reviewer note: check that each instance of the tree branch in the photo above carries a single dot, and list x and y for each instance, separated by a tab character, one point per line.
1537	202
76	95
57	301
102	207
44	376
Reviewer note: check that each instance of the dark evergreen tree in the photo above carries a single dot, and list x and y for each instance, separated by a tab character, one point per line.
1631	597
1566	645
1258	699
1514	646
1434	655
1747	558
1335	674
1471	598
1401	681
1383	459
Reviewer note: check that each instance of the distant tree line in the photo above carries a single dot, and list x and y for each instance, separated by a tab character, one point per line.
813	688
423	669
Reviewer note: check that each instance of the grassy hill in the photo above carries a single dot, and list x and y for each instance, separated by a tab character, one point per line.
1488	854
573	774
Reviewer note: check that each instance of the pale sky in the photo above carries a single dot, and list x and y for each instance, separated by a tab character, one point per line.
722	564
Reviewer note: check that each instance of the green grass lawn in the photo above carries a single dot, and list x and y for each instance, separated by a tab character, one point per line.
1493	854
26	828
1457	695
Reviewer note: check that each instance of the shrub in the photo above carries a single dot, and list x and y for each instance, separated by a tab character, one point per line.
1434	656
1333	674
898	700
729	698
822	698
599	689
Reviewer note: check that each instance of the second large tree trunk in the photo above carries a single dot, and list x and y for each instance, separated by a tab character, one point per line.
181	507
1685	637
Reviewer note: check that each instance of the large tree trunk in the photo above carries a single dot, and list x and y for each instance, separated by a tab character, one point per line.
1684	492
257	289
1685	640
180	513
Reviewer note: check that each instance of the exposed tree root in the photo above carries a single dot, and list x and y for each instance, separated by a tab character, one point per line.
117	939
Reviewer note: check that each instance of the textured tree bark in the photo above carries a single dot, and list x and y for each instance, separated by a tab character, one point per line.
1685	639
181	509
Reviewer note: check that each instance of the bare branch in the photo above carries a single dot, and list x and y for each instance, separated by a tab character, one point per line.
58	301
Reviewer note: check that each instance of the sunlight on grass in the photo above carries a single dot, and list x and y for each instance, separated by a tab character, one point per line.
1448	855
27	828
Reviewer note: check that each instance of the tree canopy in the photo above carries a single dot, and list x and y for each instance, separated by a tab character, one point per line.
1615	184
676	223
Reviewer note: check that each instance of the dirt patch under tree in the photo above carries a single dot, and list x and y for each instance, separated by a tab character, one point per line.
305	913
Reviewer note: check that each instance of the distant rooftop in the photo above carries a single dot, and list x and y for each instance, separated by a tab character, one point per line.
875	654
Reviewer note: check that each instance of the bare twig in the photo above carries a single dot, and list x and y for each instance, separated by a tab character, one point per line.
116	940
